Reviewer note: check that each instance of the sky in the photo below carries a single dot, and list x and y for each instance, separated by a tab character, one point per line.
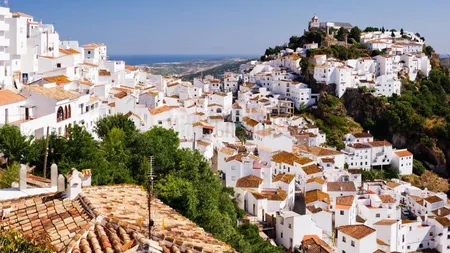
225	27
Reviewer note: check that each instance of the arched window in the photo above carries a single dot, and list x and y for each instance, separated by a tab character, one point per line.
69	111
60	114
65	112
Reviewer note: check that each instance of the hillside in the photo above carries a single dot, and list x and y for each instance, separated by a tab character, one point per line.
418	119
216	71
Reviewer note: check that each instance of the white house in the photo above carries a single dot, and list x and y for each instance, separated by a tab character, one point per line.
403	161
356	239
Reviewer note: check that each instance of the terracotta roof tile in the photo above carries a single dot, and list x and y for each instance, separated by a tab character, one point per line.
392	184
316	180
68	51
380	143
314	209
249	121
278	195
433	199
228	151
387	199
290	158
319	151
317	195
385	222
249	181
362	135
127	204
345	200
9	97
356	231
285	178
314	244
444	221
55	93
341	186
443	211
359	146
104	72
403	153
61	79
161	109
239	157
311	169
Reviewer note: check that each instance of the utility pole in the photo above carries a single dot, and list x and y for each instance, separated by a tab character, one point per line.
46	152
150	196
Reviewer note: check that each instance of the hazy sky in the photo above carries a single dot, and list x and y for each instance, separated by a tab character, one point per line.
226	26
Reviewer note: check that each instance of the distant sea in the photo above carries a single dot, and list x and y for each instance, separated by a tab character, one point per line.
152	59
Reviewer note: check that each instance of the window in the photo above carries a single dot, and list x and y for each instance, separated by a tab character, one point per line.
341	212
58	65
233	178
377	215
233	167
343	239
290	226
281	235
352	243
89	52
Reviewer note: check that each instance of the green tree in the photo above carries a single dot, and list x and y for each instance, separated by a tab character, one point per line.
241	135
13	144
117	157
162	144
355	33
10	175
383	30
104	125
340	35
401	31
392	34
418	167
428	50
371	29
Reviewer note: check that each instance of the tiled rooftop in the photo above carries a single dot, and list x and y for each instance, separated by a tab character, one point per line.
126	205
290	158
356	231
47	217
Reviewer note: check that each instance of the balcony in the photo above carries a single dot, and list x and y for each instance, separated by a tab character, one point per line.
4	42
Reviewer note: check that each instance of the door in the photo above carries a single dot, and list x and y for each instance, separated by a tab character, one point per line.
27	113
263	216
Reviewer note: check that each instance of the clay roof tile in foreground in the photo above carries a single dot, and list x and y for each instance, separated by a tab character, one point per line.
127	204
356	231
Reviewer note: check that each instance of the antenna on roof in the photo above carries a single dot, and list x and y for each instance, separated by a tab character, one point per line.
150	196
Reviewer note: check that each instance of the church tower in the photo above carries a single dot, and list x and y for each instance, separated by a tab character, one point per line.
314	23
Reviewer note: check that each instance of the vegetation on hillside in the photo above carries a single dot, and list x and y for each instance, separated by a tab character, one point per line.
184	179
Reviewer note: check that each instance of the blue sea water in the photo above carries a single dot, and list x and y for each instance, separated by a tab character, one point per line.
151	59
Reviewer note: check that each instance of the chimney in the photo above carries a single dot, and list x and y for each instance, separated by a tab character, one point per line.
23	177
74	184
86	177
54	175
61	183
